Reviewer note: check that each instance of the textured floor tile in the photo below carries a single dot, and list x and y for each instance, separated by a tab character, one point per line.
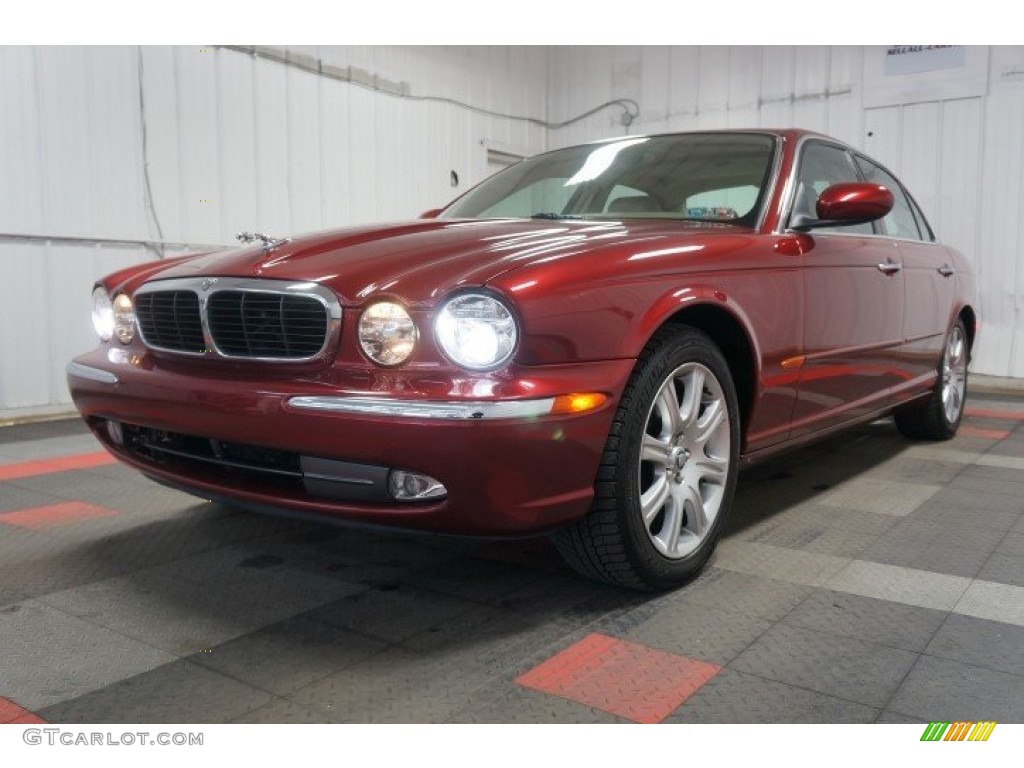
1000	461
983	486
821	539
11	713
863	618
695	631
895	718
888	497
626	679
743	593
280	711
920	529
13	498
975	507
475	579
939	453
997	602
199	602
1005	569
737	697
398	686
1012	544
524	705
981	643
838	666
969	430
797	566
917	471
289	655
941	689
53	515
900	585
178	692
47	448
949	557
49	656
391	615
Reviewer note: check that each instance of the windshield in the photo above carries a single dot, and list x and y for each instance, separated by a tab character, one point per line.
698	176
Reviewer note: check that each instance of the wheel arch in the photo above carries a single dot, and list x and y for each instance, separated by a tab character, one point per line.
970	318
732	336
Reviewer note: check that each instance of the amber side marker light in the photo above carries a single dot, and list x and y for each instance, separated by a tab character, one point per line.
578	402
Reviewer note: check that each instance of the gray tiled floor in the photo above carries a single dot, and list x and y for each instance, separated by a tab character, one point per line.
863	579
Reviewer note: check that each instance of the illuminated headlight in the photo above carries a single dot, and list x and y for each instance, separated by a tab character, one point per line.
476	331
124	319
386	333
102	314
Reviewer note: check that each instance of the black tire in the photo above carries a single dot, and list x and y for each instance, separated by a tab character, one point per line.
612	543
929	419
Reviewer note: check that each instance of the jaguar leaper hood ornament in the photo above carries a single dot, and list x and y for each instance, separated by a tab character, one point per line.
269	243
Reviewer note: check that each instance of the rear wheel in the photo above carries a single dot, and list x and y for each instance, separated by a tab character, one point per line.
668	472
938	418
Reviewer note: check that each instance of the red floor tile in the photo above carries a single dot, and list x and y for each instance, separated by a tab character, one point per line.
53	515
630	680
988	413
59	464
968	431
13	714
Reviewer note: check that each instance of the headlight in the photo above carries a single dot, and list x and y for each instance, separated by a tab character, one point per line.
386	333
476	331
102	314
124	319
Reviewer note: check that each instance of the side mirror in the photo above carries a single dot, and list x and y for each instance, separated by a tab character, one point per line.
431	214
849	203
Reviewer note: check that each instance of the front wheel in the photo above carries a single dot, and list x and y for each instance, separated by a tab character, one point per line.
938	418
668	472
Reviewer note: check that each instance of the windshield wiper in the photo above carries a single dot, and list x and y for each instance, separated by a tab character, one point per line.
554	216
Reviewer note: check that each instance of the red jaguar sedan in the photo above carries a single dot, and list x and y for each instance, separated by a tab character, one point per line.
588	344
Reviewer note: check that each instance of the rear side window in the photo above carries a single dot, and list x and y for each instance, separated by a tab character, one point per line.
821	166
900	222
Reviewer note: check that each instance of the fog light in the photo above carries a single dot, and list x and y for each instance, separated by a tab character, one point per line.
412	486
115	432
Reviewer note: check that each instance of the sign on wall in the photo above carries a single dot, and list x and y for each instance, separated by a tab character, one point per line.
909	74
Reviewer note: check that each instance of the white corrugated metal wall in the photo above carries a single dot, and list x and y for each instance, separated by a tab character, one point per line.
963	158
234	142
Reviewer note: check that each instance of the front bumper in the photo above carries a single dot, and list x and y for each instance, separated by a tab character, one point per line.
507	470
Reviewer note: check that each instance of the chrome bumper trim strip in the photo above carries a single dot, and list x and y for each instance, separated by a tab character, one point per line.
90	373
425	409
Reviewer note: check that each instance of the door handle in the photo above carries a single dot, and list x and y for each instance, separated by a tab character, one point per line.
890	267
946	271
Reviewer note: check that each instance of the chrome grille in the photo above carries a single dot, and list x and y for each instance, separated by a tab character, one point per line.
247	324
238	318
171	320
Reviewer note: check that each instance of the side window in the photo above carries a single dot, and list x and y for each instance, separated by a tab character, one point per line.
821	166
900	222
922	222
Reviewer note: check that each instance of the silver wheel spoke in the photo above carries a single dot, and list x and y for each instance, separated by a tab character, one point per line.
713	469
668	408
712	419
653	499
672	528
690	408
696	515
954	375
654	450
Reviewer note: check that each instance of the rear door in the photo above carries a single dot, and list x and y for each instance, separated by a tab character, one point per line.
928	284
853	318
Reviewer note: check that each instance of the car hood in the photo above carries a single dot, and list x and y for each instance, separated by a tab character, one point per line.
418	262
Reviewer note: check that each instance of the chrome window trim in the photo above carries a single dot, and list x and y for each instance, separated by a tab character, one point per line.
205	287
444	410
